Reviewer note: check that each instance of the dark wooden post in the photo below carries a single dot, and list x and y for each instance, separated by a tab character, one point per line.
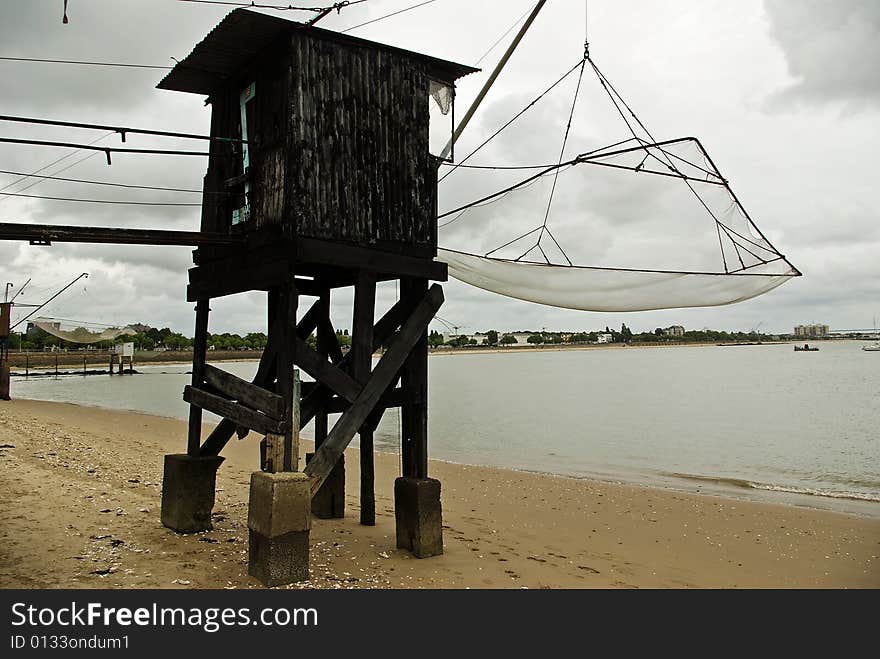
323	348
111	364
415	381
200	348
282	452
361	366
84	365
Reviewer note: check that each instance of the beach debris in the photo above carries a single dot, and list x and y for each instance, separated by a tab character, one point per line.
382	554
105	510
7	445
182	582
103	572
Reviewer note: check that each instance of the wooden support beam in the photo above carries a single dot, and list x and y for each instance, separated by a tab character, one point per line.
382	333
200	348
229	281
326	373
244	392
393	397
361	366
264	378
235	412
312	250
288	299
326	343
46	234
414	416
383	375
330	344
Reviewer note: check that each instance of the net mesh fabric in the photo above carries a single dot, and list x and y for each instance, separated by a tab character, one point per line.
608	289
79	333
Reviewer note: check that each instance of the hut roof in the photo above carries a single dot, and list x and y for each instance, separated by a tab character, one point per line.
243	34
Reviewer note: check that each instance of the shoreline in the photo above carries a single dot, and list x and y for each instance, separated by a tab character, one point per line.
46	360
88	482
736	488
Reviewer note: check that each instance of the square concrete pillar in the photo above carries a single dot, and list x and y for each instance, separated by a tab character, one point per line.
329	502
418	516
279	519
188	485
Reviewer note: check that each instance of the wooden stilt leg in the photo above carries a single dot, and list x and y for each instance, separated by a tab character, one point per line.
415	382
321	420
362	351
287	305
200	347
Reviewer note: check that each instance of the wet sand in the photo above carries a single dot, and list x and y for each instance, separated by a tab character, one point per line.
82	491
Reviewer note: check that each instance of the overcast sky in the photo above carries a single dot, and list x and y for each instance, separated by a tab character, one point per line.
785	96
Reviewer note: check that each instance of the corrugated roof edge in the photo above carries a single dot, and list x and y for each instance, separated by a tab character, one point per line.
242	34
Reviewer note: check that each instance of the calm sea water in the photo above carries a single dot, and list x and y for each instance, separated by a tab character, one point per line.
755	421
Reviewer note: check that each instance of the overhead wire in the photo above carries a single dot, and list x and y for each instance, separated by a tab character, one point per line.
99	201
498	41
113	185
394	13
255	5
82	62
121	131
510	122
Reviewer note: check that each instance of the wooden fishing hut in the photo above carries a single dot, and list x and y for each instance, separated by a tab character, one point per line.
330	184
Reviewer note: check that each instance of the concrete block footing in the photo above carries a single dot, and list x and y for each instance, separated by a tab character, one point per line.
188	486
329	501
279	519
418	516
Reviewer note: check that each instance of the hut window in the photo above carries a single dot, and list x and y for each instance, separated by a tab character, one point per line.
246	106
441	99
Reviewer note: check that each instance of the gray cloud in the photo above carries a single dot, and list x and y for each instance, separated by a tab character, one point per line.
831	47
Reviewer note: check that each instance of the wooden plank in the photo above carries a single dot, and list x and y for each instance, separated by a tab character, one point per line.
264	377
324	372
312	250
309	322
235	412
393	397
244	392
49	233
239	280
383	375
382	333
200	347
330	344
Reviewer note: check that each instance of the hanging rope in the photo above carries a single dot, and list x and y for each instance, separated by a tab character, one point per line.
544	228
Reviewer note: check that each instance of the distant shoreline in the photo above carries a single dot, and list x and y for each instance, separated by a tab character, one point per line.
40	361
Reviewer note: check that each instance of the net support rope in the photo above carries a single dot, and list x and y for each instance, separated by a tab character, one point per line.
620	289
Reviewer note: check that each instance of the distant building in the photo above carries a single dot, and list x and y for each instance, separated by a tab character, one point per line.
674	330
811	331
603	338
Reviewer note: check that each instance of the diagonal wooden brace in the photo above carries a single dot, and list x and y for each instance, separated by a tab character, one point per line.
385	372
382	333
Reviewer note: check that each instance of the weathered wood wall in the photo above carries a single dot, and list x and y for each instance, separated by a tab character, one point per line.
340	147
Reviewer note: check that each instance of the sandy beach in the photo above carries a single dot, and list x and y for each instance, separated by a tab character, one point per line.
82	487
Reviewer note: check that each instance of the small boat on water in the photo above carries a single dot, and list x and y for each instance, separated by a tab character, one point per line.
873	348
805	348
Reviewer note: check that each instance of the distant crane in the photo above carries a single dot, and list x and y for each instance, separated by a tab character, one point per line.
450	325
754	330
